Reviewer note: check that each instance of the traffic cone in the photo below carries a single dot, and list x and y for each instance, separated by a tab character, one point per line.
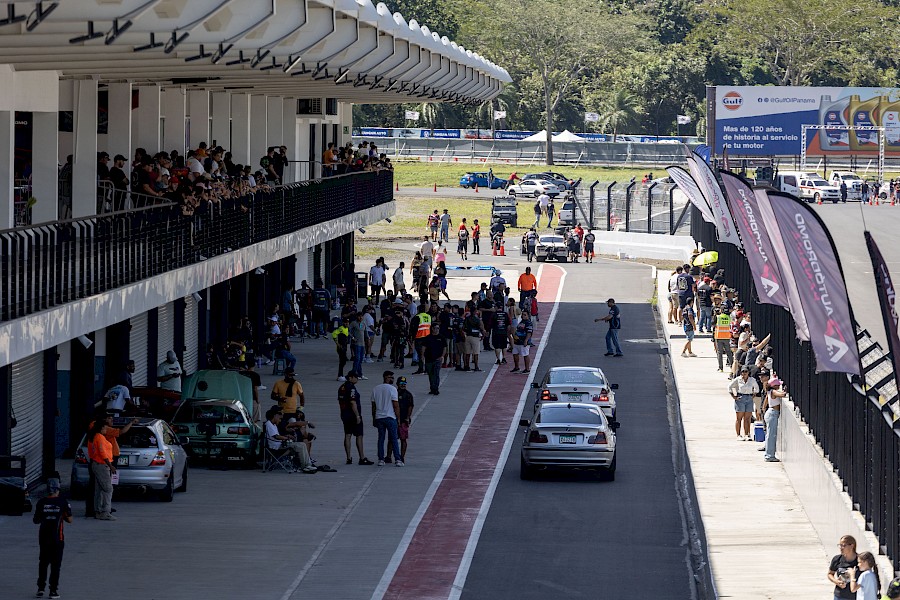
820	201
476	188
494	246
435	186
892	201
502	251
877	202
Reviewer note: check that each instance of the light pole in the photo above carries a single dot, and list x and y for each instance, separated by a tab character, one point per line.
658	105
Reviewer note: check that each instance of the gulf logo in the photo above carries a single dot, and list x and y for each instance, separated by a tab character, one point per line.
732	100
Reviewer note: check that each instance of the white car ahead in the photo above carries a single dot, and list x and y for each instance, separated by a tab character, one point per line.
533	187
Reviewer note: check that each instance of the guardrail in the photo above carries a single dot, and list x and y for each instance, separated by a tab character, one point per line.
45	265
854	421
635	207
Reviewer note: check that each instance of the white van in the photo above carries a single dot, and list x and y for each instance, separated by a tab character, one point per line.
807	186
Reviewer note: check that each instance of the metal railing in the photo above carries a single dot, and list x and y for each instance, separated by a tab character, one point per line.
635	207
853	421
49	264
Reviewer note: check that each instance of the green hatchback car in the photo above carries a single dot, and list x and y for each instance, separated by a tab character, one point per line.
218	429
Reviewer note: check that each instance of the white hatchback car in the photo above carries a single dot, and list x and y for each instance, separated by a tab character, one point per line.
533	187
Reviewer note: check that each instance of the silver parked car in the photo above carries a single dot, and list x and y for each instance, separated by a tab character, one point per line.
577	384
569	435
151	458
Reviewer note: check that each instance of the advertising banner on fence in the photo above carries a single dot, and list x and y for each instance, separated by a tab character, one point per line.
887	297
441	133
709	185
374	132
688	186
757	244
768	120
820	284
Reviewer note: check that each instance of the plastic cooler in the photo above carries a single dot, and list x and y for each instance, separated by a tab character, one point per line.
759	432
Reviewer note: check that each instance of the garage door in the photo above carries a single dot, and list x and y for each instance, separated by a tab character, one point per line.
191	333
28	407
137	348
166	331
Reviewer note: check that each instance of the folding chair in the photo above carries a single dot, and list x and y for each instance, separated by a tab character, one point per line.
274	459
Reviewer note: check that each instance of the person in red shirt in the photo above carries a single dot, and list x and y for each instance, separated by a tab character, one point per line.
579	232
476	235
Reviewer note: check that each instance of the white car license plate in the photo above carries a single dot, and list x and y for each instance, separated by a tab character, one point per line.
122	461
567	438
233	458
575	396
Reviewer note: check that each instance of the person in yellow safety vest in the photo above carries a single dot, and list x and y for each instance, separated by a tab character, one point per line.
422	324
722	337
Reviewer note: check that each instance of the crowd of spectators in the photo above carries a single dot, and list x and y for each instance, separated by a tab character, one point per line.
340	160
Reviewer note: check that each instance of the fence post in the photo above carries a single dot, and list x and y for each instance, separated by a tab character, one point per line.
628	192
591	209
672	211
609	206
650	207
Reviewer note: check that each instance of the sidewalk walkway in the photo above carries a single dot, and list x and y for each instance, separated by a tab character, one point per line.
761	543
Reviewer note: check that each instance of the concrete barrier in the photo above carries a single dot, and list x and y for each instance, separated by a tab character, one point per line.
828	507
644	245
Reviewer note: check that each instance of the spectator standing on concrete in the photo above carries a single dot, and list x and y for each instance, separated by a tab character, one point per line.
358	343
168	373
589	239
433	346
377	279
531	240
101	458
476	237
864	580
690	328
385	416
742	388
527	285
51	513
446	224
462	240
722	338
705	304
615	324
341	337
474	330
772	410
434	222
500	334
673	295
538	209
839	569
351	417
686	289
407	403
427	250
321	309
522	342
399	284
551	212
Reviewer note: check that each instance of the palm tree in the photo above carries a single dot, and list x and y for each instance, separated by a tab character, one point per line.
618	110
428	113
486	110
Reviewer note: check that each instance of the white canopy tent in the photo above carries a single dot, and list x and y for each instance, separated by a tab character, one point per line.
565	136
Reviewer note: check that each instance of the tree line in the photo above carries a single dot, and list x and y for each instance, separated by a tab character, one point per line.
640	63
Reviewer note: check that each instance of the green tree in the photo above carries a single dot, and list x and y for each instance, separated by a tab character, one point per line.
618	110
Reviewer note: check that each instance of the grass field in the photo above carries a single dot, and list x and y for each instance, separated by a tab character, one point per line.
424	174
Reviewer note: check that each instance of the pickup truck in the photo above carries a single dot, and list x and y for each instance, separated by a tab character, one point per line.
854	183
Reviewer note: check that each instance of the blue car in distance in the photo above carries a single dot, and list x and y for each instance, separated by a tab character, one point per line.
470	179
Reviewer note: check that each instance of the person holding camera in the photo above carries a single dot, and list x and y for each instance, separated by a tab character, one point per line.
839	569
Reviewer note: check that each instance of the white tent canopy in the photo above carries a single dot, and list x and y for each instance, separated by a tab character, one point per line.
565	136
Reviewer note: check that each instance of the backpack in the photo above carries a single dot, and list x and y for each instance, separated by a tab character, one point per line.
682	284
534	306
537	206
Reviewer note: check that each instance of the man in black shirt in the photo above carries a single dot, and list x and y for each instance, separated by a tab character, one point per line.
50	514
119	180
433	351
487	309
406	402
351	417
500	335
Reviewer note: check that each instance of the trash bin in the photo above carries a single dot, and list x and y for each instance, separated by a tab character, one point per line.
362	284
14	498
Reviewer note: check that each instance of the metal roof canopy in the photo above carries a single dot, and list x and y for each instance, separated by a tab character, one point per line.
344	49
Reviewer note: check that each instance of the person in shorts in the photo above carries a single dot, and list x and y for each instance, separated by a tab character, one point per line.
521	338
406	401
742	388
351	417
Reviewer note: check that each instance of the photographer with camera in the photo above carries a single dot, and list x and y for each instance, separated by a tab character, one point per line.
839	569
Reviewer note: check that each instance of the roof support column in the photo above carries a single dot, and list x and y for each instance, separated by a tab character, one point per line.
289	138
198	104
119	138
221	120
84	166
45	169
7	151
345	110
240	128
174	130
274	116
148	113
258	129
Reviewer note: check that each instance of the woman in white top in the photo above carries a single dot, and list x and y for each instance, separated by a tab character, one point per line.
772	409
864	580
515	315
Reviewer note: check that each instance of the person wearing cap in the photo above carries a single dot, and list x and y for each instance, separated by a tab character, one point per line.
51	513
168	373
120	181
288	393
100	457
772	409
615	324
102	168
406	401
385	416
341	337
351	417
496	280
432	353
742	388
705	304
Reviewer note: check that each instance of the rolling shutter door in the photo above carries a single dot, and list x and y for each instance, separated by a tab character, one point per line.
166	331
191	325
28	407
137	348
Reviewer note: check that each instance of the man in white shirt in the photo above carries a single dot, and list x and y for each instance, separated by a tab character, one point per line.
385	416
168	373
116	398
277	441
496	280
674	311
742	388
544	201
427	250
399	284
194	167
376	279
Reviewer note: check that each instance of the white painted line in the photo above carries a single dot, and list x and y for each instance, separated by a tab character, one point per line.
469	553
399	553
